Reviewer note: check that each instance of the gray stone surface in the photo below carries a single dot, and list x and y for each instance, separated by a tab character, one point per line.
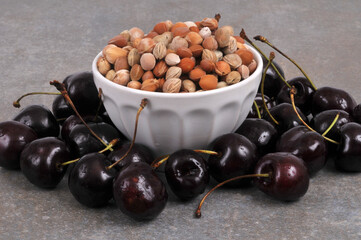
46	40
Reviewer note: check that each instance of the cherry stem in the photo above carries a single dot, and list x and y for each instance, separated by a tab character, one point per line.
17	102
156	163
271	57
60	119
332	124
159	161
100	94
244	36
198	211
292	96
206	151
111	144
264	40
61	88
143	103
69	162
217	17
257	109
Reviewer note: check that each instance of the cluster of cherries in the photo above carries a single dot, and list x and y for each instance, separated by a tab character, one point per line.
276	146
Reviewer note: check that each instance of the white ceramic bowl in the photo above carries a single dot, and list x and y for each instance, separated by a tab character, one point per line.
174	121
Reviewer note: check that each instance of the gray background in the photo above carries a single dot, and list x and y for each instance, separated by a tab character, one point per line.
45	40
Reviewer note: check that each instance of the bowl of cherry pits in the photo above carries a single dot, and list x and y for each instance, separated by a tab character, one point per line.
199	78
182	86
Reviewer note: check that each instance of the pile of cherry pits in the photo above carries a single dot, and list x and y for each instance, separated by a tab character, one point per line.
286	139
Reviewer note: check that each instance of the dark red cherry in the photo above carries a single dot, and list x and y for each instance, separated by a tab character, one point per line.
187	174
303	96
81	141
83	92
349	151
139	192
327	98
305	144
13	138
286	117
261	132
258	99
138	153
357	113
323	120
106	118
74	120
41	160
40	119
61	108
273	83
289	178
90	182
236	156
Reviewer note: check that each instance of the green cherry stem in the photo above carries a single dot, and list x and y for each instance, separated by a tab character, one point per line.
198	211
69	162
292	96
264	40
154	163
206	151
245	37
111	144
143	103
17	102
159	161
271	57
257	109
331	125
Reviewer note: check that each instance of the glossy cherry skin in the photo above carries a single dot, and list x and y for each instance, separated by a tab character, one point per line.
13	138
139	193
236	156
289	178
261	132
305	144
323	120
74	120
81	141
83	92
349	151
327	98
40	119
138	153
187	174
90	182
357	113
273	83
286	117
61	108
258	99
303	96
40	161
